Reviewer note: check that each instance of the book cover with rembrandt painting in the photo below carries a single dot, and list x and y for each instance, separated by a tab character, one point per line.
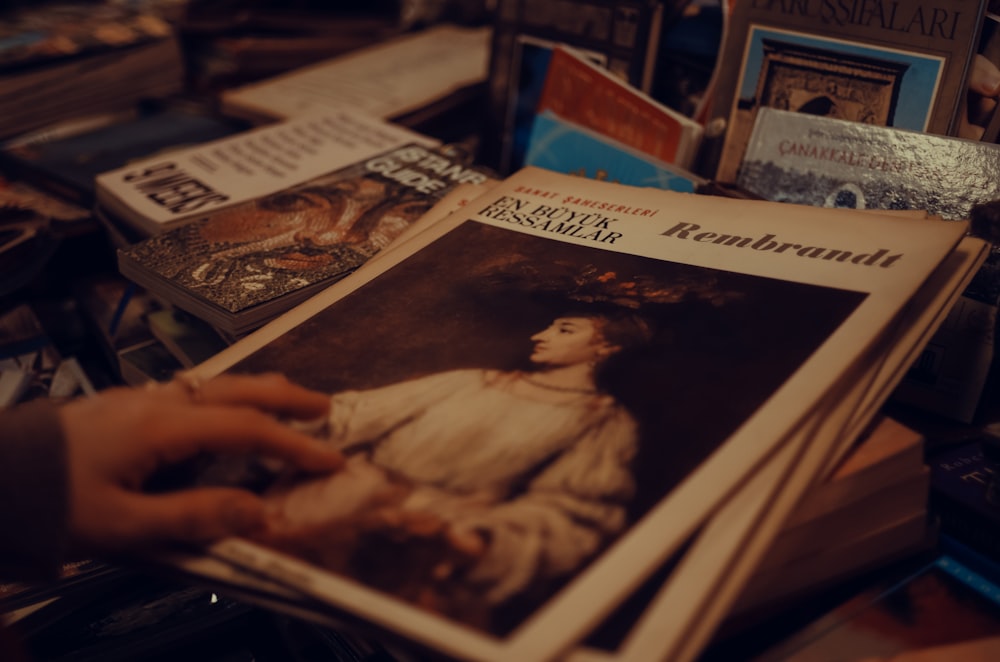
242	265
543	396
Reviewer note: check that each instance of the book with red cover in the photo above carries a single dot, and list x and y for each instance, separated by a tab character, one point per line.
581	92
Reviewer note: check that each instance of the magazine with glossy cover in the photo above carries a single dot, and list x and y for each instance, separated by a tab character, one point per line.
719	327
169	189
831	162
243	265
887	63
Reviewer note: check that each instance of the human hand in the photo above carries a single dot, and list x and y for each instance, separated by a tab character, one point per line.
981	98
333	501
117	439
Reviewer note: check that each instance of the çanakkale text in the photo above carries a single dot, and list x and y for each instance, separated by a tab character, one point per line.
770	243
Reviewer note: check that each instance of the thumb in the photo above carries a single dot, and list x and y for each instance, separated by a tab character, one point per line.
198	515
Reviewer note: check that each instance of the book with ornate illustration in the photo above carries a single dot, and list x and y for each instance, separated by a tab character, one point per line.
831	162
241	266
510	387
889	64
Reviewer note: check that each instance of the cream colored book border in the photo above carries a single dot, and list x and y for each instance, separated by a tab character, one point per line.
776	427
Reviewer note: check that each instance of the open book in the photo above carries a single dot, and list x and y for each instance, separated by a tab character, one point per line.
550	393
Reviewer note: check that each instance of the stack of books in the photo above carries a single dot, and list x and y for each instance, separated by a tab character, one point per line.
62	61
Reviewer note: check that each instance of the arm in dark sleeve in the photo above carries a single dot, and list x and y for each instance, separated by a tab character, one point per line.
33	492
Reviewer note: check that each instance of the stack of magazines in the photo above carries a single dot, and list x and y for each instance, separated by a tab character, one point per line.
550	390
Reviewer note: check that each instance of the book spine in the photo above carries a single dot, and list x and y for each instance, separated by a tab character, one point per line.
966	524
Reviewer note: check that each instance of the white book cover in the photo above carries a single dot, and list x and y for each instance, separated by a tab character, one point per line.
385	80
545	395
169	188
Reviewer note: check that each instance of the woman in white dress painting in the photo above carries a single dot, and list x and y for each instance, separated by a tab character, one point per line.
467	488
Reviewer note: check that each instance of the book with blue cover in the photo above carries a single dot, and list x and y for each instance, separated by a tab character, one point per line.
563	146
903	65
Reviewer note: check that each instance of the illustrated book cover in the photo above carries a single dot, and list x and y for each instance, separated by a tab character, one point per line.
647	632
620	35
166	190
581	92
832	162
562	146
743	317
243	265
386	80
889	64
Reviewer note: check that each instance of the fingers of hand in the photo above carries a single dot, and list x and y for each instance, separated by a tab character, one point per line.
195	516
224	429
271	392
124	521
467	543
984	77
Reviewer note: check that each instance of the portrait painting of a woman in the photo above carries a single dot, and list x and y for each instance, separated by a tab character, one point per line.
525	473
531	402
